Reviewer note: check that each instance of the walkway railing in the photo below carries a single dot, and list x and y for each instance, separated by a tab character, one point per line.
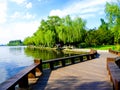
113	67
114	52
62	62
22	78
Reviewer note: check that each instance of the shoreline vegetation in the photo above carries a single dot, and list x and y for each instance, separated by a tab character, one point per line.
74	50
65	50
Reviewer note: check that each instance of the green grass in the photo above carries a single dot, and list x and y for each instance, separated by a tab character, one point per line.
104	47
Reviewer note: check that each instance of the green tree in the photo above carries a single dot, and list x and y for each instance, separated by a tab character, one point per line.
105	36
92	38
56	30
28	41
113	15
71	31
79	29
15	43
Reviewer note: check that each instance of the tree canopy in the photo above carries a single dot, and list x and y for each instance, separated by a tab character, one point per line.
67	31
56	30
113	15
15	43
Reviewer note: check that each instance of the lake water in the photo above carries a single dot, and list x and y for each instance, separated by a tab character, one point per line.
15	58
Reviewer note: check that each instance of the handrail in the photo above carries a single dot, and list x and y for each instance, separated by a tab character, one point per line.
71	59
58	59
21	78
114	52
114	72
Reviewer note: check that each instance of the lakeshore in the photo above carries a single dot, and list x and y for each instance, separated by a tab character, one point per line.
15	58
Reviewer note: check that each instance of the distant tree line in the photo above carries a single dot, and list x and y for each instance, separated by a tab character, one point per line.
15	43
67	31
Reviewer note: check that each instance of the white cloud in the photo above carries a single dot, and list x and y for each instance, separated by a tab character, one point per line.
19	1
3	11
43	1
87	15
24	3
57	12
28	16
18	30
84	7
29	5
16	15
4	35
22	15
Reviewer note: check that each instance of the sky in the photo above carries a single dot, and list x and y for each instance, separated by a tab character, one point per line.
21	18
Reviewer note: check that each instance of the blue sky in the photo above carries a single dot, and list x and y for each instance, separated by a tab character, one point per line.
21	18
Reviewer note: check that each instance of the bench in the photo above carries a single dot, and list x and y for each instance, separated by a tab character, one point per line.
114	72
21	78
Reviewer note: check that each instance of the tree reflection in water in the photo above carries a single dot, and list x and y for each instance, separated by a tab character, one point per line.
44	54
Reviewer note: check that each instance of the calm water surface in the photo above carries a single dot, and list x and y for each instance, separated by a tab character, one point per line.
15	58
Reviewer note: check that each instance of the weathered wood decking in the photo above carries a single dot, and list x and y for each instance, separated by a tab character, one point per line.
89	75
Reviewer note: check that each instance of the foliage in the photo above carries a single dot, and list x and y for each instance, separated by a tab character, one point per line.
91	38
100	36
113	15
117	47
15	43
105	36
104	47
66	31
56	30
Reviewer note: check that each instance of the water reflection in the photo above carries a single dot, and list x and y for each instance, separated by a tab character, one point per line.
3	74
15	58
16	50
44	54
12	60
9	69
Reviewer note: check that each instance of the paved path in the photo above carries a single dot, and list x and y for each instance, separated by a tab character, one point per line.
89	75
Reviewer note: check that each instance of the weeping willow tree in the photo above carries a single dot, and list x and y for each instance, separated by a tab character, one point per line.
56	30
71	31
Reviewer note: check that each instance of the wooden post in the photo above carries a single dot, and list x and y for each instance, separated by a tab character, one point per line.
81	58
88	57
117	86
72	61
63	63
32	74
118	53
51	65
92	56
109	59
39	61
40	66
23	83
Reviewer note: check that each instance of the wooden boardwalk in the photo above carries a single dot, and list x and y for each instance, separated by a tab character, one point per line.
89	75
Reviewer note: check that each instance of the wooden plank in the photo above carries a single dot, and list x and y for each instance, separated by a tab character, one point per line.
17	78
22	77
114	72
89	75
